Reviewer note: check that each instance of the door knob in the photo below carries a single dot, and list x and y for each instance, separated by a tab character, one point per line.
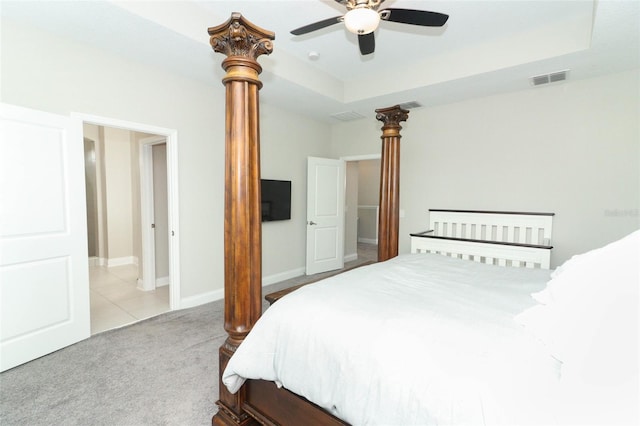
311	222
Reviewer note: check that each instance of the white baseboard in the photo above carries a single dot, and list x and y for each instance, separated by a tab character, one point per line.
276	278
162	281
212	296
368	240
140	285
97	261
201	299
351	257
120	261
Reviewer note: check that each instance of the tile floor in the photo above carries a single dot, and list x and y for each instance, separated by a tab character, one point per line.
116	301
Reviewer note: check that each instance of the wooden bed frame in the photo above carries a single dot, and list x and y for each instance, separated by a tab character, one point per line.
258	401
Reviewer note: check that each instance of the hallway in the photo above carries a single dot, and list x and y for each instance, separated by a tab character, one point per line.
116	300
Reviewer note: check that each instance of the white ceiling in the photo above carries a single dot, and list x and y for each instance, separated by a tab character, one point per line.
486	47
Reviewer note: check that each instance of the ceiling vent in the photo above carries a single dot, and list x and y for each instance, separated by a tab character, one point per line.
410	105
549	78
347	116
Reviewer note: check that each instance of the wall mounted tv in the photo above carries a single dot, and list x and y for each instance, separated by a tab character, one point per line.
276	199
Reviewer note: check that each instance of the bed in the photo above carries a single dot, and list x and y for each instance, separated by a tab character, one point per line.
474	346
417	339
403	308
504	340
432	338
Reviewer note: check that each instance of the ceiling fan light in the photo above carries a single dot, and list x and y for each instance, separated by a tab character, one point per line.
361	20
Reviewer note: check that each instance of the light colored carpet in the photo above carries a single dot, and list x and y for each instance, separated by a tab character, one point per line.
160	371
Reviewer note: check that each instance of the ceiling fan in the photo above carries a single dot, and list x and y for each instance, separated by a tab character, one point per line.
362	18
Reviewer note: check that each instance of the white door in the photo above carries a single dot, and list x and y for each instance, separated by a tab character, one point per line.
154	209
161	214
325	214
44	277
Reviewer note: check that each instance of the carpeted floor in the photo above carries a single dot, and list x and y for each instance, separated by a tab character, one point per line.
160	371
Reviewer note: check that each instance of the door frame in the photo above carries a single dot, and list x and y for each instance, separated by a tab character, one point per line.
171	136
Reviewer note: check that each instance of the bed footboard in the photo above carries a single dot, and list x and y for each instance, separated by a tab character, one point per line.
500	238
273	406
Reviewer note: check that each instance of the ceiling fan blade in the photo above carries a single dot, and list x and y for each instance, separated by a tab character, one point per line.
367	43
316	25
414	17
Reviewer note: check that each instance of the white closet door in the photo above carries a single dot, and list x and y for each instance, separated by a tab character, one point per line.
325	214
44	278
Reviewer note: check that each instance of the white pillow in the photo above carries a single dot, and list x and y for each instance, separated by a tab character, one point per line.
589	320
595	290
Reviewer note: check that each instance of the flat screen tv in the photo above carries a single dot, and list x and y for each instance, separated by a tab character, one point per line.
276	199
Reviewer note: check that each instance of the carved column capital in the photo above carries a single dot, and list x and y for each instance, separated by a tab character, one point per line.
239	37
392	116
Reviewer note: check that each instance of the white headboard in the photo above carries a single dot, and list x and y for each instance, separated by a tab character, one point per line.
502	238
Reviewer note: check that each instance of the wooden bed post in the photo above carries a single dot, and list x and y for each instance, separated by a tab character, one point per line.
388	220
242	42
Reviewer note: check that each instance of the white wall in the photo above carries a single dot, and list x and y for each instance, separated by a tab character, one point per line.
136	199
570	148
351	210
117	163
96	134
286	140
91	194
117	194
51	73
369	179
368	199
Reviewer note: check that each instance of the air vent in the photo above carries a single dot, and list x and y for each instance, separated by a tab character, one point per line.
557	76
410	105
347	116
549	78
540	79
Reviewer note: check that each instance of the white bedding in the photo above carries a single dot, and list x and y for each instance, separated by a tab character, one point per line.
419	339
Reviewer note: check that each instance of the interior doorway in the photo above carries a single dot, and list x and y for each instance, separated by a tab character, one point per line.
131	217
362	206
